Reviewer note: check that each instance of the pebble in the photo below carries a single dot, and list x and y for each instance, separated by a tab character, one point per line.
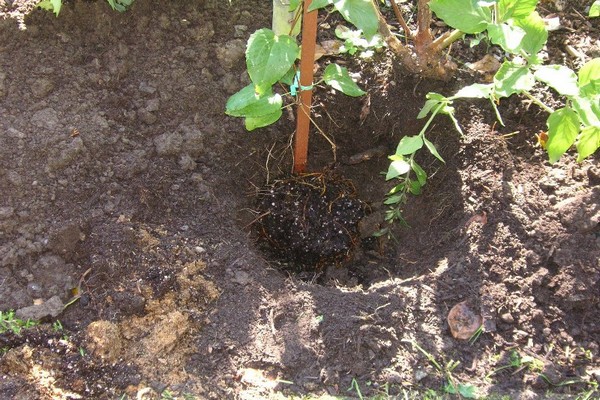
241	278
50	308
508	318
46	118
231	53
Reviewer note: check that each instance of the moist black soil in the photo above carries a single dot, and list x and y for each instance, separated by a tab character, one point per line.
129	198
310	220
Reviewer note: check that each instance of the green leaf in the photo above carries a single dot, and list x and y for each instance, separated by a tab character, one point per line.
393	199
512	78
253	123
360	13
465	15
560	78
269	57
536	33
589	77
467	391
288	78
415	187
51	5
506	36
515	8
587	109
338	78
475	91
419	172
316	4
397	168
431	147
293	5
246	103
563	128
588	142
429	104
409	144
595	9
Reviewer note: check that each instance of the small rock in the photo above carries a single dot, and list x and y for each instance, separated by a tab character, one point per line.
104	340
6	212
147	88
65	239
46	118
168	143
50	308
463	322
241	278
420	375
240	31
42	87
67	155
508	318
153	105
582	211
231	53
187	163
147	117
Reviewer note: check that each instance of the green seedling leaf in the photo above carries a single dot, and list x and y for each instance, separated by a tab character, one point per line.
475	91
269	57
253	123
465	15
294	4
247	103
431	147
419	172
338	78
587	109
316	4
360	13
515	8
395	199
288	78
467	391
429	104
595	9
397	168
536	34
512	78
415	188
588	142
563	128
51	5
560	78
506	36
589	77
409	144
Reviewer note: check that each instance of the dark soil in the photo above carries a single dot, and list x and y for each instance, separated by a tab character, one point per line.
129	197
311	219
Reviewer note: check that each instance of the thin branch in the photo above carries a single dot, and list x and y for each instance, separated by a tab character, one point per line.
401	20
446	40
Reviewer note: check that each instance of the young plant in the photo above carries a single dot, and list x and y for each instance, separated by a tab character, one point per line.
517	28
271	60
9	323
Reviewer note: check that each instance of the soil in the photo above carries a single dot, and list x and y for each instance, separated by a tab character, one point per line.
129	197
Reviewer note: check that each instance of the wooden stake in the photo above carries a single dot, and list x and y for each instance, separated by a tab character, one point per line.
307	61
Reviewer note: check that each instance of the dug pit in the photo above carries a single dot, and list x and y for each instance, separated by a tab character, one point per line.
310	220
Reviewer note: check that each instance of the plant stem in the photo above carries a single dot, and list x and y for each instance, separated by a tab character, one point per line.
539	102
307	60
401	20
446	40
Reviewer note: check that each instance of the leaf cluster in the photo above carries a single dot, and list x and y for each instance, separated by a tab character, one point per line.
55	5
